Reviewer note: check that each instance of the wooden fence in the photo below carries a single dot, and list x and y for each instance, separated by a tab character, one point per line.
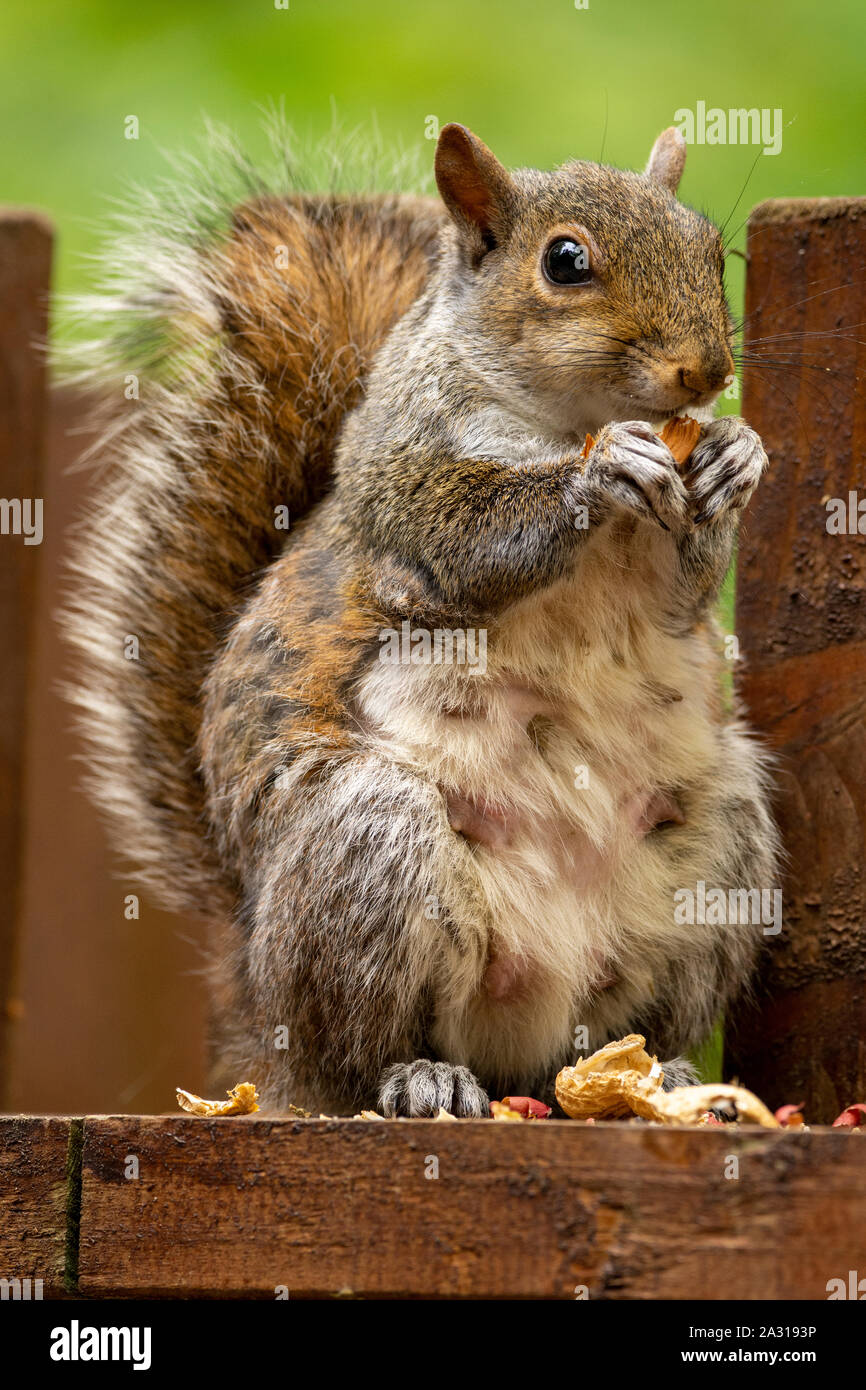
97	1011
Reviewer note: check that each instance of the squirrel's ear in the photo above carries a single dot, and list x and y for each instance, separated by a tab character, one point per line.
667	159
477	191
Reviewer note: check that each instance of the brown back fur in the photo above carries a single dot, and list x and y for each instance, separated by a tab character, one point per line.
289	313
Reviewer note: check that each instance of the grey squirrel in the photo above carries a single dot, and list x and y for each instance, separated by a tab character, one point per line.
428	876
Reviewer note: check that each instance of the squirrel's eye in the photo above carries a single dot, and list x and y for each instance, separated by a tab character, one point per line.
566	262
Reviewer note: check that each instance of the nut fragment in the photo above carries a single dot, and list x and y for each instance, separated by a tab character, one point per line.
500	1111
852	1118
621	1079
606	1083
681	434
684	1105
790	1116
242	1100
529	1108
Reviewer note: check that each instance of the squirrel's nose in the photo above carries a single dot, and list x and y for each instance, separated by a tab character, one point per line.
708	376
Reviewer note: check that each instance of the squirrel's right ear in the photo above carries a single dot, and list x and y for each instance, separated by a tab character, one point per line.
667	159
477	191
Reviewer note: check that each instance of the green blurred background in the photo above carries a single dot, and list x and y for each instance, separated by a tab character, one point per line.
538	79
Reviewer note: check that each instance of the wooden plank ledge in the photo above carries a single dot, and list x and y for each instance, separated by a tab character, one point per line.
39	1181
320	1208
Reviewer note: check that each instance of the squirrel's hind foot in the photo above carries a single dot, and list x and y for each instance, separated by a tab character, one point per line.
418	1090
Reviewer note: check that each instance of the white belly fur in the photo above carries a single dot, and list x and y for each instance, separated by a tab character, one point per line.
577	889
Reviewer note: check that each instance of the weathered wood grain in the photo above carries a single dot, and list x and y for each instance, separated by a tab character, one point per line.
25	268
35	1181
801	621
238	1208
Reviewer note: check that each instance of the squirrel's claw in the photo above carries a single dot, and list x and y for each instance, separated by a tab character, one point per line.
637	471
725	469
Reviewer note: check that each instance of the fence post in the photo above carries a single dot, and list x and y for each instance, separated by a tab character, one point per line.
25	273
801	621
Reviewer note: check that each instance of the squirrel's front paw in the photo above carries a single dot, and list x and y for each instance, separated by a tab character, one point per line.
418	1090
637	471
724	469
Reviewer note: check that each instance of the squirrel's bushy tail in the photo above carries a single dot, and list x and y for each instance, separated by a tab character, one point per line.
237	324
